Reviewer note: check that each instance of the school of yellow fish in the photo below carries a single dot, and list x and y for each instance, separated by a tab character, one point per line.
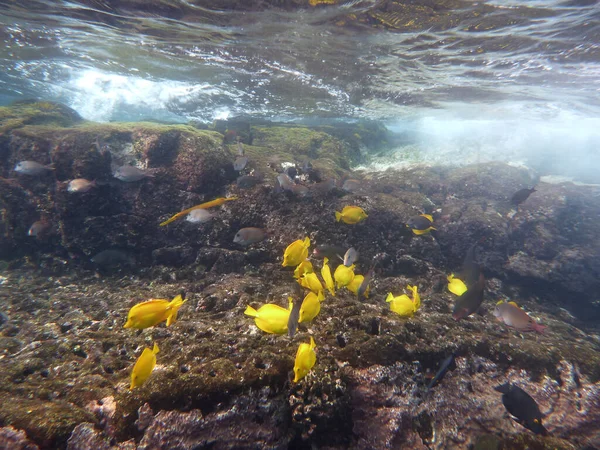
274	319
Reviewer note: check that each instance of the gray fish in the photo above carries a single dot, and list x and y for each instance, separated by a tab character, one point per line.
294	318
38	228
350	257
80	185
240	163
248	236
240	148
522	407
362	289
248	181
113	258
285	181
131	173
199	216
323	187
31	168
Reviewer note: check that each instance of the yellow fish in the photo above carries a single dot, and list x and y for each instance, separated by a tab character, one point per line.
270	318
312	282
305	360
153	312
296	252
404	306
355	284
351	215
143	367
416	298
343	275
327	278
456	286
216	202
311	305
303	268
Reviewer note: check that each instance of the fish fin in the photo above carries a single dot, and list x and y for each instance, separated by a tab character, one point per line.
325	260
155	349
432	228
500	302
539	328
513	303
428	217
250	311
321	296
389	297
338	216
312	343
306	242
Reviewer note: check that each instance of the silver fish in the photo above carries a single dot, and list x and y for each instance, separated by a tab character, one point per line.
248	236
80	185
199	216
352	185
350	257
31	168
131	173
240	163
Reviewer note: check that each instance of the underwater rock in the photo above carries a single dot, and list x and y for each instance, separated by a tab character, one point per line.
12	439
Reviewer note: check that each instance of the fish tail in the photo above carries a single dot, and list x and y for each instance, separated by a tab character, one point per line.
250	311
338	216
389	297
155	349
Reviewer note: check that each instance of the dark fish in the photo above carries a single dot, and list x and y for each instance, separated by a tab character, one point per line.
291	172
248	236
294	318
113	258
332	252
470	301
240	163
470	271
38	228
521	195
444	367
299	190
248	181
131	173
420	223
522	407
350	257
31	168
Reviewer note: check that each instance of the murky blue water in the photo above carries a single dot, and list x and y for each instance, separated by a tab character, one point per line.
466	81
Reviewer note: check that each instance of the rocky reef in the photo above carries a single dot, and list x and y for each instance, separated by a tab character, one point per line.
65	359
